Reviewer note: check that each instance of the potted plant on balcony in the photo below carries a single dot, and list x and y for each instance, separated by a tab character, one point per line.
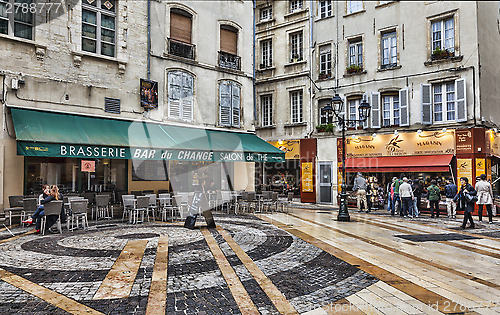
323	76
329	127
439	53
295	58
321	128
354	69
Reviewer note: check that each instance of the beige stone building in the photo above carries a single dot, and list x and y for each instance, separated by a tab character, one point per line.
426	68
72	91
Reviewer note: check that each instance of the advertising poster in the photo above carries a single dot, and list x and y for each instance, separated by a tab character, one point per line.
464	169
307	177
290	147
149	94
480	167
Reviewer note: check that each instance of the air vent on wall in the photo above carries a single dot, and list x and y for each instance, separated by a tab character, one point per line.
112	105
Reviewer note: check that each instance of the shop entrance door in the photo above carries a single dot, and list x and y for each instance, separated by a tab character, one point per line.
325	182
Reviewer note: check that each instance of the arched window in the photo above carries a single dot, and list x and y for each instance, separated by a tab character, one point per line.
229	104
180	95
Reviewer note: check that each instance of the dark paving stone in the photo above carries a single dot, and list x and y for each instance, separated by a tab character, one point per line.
437	237
50	245
137	236
51	276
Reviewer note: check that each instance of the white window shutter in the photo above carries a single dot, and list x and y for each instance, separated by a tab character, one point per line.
365	123
174	94
342	114
426	104
461	107
375	109
236	91
404	106
187	97
225	103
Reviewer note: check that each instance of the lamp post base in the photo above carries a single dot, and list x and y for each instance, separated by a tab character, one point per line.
343	215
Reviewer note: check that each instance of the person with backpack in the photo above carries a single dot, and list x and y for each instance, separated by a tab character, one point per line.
450	191
433	192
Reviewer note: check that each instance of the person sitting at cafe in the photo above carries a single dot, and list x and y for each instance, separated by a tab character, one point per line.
54	195
45	193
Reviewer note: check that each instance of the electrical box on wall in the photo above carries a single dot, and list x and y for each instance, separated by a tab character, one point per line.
15	84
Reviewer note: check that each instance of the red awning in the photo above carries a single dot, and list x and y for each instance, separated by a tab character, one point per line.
424	163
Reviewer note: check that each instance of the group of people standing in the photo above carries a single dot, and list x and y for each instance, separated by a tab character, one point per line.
404	197
49	193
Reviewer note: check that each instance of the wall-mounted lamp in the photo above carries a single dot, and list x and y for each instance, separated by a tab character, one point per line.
280	141
396	132
353	137
374	135
419	131
495	130
444	130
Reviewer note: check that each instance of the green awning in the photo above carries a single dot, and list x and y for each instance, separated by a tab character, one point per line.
43	133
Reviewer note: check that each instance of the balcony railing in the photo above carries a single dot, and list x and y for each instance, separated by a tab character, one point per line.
229	61
181	49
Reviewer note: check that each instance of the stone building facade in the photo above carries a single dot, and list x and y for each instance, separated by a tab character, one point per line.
422	66
86	59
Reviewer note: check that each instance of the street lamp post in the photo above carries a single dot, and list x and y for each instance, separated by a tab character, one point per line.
342	122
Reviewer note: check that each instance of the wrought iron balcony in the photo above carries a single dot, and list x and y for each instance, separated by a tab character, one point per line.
229	61
181	49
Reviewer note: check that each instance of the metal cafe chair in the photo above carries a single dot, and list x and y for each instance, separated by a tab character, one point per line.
128	204
79	212
152	204
52	208
29	206
141	207
102	207
15	208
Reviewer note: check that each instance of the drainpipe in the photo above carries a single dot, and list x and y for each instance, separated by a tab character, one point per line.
253	71
149	39
311	47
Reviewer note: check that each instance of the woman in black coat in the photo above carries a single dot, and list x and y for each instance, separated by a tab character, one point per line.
463	201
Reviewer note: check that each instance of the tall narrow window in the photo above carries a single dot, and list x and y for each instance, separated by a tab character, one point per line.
296	47
443	35
266	102
228	55
444	102
389	50
325	61
180	95
99	27
296	5
179	42
356	53
390	110
266	13
267	53
325	8
229	104
296	106
16	18
354	6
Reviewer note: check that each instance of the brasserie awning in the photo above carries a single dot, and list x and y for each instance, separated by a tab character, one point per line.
421	163
55	134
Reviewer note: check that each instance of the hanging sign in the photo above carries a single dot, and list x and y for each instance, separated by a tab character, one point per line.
149	94
290	147
88	166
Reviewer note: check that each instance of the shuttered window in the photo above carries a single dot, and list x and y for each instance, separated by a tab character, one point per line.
229	39
180	95
180	26
444	102
229	104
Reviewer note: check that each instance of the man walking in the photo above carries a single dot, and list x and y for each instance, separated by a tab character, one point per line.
417	193
396	201
360	189
406	194
450	191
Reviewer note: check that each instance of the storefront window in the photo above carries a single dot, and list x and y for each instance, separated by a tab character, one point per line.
109	175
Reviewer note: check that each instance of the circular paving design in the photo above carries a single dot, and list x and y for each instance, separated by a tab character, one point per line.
75	263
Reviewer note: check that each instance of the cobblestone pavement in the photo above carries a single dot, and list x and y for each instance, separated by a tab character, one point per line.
75	264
